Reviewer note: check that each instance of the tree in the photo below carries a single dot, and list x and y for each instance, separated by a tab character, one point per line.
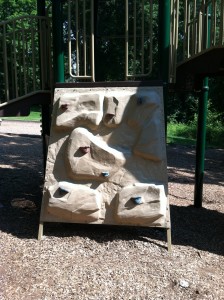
14	8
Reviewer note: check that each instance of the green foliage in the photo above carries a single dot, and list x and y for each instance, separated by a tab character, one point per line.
216	94
187	132
182	107
14	8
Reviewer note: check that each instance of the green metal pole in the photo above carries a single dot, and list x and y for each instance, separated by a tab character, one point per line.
58	53
45	108
201	130
164	39
200	146
164	49
41	7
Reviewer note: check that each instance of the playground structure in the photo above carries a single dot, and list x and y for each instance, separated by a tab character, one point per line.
189	52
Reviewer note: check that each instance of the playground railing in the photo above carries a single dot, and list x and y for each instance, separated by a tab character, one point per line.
196	26
79	33
140	41
81	39
174	14
25	59
203	26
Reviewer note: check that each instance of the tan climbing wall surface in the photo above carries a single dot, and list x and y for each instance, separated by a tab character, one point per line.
106	161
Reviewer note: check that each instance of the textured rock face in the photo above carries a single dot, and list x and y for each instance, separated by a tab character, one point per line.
106	158
98	161
141	204
76	203
75	110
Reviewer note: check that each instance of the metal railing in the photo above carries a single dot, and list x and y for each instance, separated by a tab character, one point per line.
199	26
203	27
81	39
139	40
25	42
137	36
25	65
174	35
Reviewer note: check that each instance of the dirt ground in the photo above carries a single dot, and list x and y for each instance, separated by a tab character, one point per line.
104	262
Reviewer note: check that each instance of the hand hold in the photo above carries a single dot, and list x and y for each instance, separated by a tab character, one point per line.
84	149
105	174
64	106
137	200
140	100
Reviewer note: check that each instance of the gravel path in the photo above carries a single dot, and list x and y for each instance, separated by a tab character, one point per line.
20	127
102	262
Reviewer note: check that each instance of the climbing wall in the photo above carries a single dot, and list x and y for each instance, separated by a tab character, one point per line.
106	161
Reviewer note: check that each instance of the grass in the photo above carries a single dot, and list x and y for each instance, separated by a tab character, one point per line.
185	134
35	116
179	133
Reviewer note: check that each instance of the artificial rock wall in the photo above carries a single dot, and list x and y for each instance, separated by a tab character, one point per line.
107	158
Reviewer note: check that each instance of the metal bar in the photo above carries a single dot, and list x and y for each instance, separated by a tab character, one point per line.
20	19
15	61
200	32
172	33
174	39
203	26
33	58
49	55
193	29
151	39
77	35
164	26
123	36
142	37
185	28
134	31
200	147
92	42
188	30
20	63
138	75
12	80
24	61
58	41
84	36
82	76
42	64
41	7
201	131
5	60
69	39
213	25
126	38
221	39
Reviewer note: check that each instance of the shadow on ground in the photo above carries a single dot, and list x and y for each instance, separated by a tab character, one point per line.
183	158
21	183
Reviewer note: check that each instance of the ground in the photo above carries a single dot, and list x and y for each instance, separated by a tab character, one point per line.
105	262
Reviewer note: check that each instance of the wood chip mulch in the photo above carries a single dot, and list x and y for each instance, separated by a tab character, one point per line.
76	261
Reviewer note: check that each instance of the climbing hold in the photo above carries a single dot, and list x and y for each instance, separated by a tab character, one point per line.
84	149
64	106
137	200
105	174
140	100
